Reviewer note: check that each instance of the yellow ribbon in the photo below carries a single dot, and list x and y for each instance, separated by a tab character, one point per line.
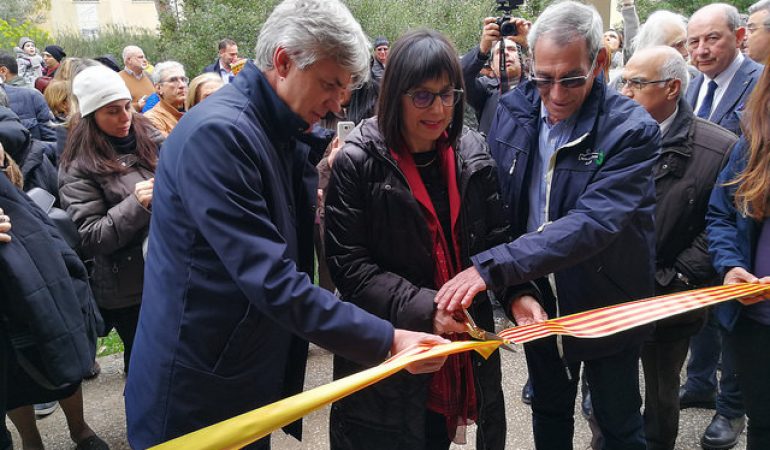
249	427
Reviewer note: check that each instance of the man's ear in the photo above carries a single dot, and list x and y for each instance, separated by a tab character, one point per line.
740	34
282	62
601	61
673	89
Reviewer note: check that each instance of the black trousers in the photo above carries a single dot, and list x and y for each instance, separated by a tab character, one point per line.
124	320
614	384
749	341
662	363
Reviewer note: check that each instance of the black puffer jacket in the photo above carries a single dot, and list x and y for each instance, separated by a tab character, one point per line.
380	257
692	155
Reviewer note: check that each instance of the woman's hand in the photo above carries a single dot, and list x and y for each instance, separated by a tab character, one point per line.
445	322
333	152
404	339
740	275
5	227
143	192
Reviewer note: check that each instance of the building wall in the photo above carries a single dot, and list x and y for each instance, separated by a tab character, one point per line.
88	16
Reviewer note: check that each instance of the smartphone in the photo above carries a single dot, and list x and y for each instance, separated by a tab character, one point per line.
343	129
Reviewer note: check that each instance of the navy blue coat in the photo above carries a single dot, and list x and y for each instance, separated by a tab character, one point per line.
730	108
33	111
599	239
732	236
227	309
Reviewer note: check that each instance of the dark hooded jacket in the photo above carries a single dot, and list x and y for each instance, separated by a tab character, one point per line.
31	155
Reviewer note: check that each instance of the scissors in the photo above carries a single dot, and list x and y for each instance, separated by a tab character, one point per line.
479	333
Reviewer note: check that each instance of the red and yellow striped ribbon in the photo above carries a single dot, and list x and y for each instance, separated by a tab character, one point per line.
249	427
614	319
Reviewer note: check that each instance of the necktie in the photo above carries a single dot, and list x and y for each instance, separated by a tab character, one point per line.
705	108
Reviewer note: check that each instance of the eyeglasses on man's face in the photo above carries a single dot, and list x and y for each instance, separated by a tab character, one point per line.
176	80
424	99
638	83
566	82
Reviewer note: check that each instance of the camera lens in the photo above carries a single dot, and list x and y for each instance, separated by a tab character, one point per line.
508	29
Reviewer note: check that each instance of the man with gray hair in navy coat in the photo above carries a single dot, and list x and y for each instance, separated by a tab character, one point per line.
228	306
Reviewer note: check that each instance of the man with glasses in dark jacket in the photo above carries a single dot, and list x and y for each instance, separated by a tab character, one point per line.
693	152
575	161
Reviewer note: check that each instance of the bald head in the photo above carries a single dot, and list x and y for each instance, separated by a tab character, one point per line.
134	59
656	77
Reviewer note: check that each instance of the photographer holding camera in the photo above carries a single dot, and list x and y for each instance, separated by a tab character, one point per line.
483	93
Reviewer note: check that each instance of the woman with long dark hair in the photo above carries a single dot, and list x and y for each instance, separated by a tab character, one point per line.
105	184
739	241
412	196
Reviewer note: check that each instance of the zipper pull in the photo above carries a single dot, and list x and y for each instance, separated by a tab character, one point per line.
513	164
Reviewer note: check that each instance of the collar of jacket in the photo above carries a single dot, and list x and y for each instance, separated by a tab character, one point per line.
679	133
526	111
278	120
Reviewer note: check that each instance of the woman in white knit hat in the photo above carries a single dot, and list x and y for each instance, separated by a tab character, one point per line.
105	184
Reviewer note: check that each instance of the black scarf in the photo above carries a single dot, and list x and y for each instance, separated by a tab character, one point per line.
123	145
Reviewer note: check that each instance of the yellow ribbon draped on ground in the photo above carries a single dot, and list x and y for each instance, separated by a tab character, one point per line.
254	425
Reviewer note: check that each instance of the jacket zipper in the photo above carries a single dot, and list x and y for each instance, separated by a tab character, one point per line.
546	222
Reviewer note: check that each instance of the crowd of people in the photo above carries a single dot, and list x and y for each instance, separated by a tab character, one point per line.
602	166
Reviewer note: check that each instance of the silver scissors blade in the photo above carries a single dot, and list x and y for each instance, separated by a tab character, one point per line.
479	333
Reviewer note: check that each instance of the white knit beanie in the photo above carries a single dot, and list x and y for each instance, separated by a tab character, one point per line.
97	86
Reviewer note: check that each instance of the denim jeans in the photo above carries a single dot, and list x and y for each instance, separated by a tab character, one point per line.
705	350
614	385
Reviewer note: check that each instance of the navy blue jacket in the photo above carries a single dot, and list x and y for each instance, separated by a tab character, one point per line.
33	111
227	309
45	299
730	108
732	236
598	242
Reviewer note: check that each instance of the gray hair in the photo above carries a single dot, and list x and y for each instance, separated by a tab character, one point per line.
731	14
653	32
312	30
162	68
566	21
130	50
673	67
761	5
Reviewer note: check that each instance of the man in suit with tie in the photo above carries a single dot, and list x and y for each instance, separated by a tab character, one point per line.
727	78
714	36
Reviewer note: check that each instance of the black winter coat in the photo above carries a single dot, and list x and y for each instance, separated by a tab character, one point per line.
379	252
692	155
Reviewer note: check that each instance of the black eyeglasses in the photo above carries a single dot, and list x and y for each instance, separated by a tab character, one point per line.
638	85
424	99
567	82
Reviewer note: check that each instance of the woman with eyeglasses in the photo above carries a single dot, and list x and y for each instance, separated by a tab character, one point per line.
738	228
411	197
171	86
106	175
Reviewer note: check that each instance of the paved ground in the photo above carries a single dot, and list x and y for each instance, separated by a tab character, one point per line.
105	413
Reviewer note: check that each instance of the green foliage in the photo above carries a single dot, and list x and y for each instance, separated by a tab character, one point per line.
684	7
111	40
12	30
23	10
109	344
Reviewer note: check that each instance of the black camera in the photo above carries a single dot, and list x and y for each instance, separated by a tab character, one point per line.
504	22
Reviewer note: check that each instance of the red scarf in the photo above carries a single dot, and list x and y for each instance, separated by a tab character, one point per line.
452	391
